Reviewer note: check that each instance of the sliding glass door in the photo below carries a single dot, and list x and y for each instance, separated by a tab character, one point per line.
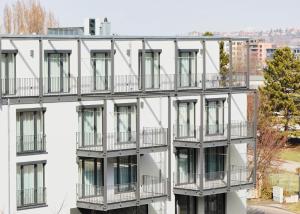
186	119
186	165
214	163
126	124
8	73
215	204
125	174
91	127
58	74
187	69
91	171
101	70
215	117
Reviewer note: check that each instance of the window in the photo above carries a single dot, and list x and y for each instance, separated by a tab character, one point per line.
215	117
57	73
31	189
215	204
185	204
186	119
91	177
187	76
152	69
125	174
214	163
8	73
186	165
30	132
125	123
101	64
90	123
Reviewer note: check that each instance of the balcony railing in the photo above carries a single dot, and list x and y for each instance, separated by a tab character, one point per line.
149	137
31	143
95	84
126	83
20	87
31	197
27	87
216	80
240	175
150	187
217	132
163	82
60	85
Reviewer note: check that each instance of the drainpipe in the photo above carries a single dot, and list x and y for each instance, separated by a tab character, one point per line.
8	144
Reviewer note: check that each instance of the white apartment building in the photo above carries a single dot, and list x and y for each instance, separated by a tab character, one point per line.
123	124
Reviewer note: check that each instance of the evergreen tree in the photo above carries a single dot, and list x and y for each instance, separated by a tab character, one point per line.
282	85
224	62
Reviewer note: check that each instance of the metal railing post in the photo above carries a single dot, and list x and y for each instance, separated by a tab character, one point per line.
105	155
176	66
138	157
79	68
112	66
230	64
229	142
248	65
169	148
204	65
41	69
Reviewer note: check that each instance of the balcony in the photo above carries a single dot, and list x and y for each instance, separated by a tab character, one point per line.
185	136
60	85
122	195
33	197
213	182
95	84
151	140
31	144
216	80
20	87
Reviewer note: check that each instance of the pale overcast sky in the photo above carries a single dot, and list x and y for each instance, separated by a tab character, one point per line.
169	17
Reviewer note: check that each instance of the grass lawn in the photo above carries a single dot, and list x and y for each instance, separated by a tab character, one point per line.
287	180
294	207
290	153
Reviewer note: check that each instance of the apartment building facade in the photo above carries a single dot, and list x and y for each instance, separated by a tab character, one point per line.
123	124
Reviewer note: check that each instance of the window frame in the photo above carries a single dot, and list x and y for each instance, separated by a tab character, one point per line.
131	165
19	113
217	198
107	54
35	204
4	58
179	78
62	53
95	179
192	157
95	109
131	107
140	68
188	102
218	132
